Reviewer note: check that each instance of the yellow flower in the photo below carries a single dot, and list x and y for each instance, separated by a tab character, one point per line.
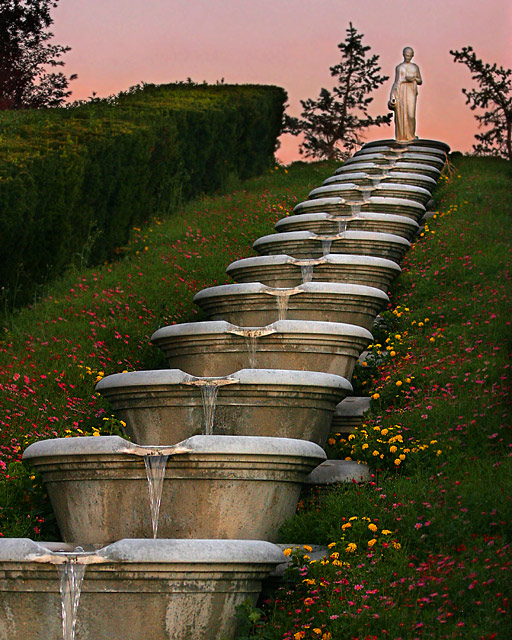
317	631
398	383
376	453
335	555
397	545
331	441
351	547
353	518
351	437
372	542
347	525
287	552
330	546
372	527
327	636
386	532
392	354
365	446
392	449
398	336
384	432
402	456
309	581
307	548
432	340
398	462
375	396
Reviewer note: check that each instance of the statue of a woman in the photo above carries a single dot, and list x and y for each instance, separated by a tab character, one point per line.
403	97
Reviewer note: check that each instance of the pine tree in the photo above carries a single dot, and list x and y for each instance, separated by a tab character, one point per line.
26	57
494	95
332	125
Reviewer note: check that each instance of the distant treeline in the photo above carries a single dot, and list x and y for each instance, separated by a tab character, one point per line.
74	181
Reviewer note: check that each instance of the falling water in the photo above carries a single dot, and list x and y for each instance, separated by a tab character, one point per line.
155	472
71	577
209	395
306	271
342	226
250	341
376	180
326	246
366	191
355	208
282	306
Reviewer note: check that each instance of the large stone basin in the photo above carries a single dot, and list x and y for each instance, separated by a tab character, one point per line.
212	488
398	152
418	142
396	177
349	190
305	244
376	204
218	348
329	224
282	271
407	156
133	589
385	169
166	407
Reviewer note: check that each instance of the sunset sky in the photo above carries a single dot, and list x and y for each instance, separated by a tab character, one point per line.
290	43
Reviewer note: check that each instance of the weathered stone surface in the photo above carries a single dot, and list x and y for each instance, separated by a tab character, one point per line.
418	142
385	170
334	471
305	244
356	192
393	177
407	156
349	414
165	407
254	305
212	488
220	348
336	205
329	224
133	589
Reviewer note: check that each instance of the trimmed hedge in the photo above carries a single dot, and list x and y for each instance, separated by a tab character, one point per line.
74	181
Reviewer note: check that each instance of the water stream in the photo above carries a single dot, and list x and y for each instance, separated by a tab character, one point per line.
155	472
342	226
367	192
71	576
326	246
306	271
282	306
250	341
355	208
209	395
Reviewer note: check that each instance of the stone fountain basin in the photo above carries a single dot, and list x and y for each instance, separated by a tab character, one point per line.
418	142
305	244
218	348
374	168
252	304
377	204
213	486
165	407
394	177
407	156
424	149
282	271
327	224
349	191
134	589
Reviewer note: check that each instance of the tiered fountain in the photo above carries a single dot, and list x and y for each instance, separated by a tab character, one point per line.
165	535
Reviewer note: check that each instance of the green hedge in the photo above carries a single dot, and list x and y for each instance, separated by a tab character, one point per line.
74	181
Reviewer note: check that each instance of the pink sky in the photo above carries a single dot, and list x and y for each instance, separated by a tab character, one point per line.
290	43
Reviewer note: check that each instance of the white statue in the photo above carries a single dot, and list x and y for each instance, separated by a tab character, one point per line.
403	97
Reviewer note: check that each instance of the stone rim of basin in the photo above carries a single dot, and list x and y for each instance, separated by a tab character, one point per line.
318	192
244	288
346	235
198	444
353	406
361	175
423	149
373	200
138	550
422	158
365	164
363	215
429	142
280	326
285	377
331	258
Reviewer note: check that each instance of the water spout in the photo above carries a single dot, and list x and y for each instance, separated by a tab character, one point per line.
250	342
306	271
326	246
342	225
71	577
367	192
355	207
155	472
209	396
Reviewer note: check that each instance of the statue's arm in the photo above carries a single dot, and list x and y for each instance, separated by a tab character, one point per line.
395	83
418	76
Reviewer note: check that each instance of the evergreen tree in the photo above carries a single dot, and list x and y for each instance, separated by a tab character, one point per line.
494	95
26	57
332	124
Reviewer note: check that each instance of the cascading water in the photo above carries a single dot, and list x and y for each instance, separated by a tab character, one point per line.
376	180
209	395
342	226
155	472
367	192
355	208
250	341
326	246
71	576
306	271
282	306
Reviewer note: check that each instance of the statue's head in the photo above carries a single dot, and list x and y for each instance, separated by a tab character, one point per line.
408	53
